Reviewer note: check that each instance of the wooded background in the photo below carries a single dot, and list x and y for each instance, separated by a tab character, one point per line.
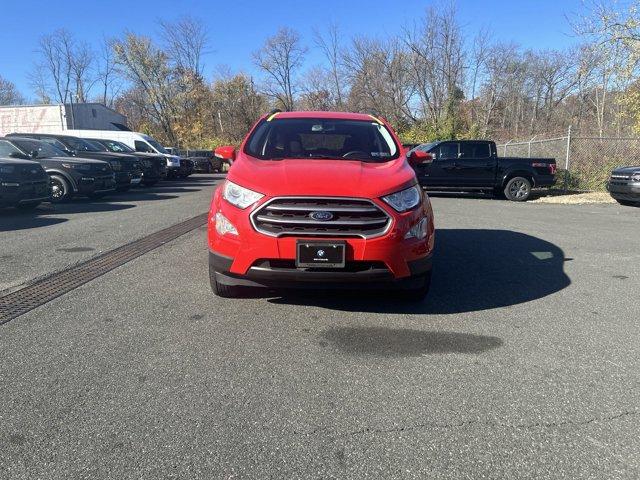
431	81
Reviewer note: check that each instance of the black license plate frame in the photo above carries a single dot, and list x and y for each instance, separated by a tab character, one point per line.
308	254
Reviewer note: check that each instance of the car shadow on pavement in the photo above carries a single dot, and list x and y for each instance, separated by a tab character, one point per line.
474	269
47	214
25	221
405	342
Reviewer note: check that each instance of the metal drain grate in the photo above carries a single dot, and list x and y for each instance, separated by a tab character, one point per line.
52	286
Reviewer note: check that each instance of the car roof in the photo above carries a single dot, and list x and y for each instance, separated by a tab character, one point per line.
322	114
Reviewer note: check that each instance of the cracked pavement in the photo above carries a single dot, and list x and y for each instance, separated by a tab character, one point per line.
522	363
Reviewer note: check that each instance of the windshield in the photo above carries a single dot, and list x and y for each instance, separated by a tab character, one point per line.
44	149
425	147
117	147
8	150
80	145
368	141
151	141
97	145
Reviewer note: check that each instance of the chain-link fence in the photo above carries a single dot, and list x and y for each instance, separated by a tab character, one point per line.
584	163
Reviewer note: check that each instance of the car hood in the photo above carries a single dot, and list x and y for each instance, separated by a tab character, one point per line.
16	161
107	156
342	178
74	160
626	170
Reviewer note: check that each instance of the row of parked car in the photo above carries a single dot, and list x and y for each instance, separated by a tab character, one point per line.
49	167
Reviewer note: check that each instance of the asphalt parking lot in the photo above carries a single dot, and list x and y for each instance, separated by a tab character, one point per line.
522	363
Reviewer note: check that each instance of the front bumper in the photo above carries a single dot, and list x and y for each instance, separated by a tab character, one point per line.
25	192
621	190
92	185
270	274
267	260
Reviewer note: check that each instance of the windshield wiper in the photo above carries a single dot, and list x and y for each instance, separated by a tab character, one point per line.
325	157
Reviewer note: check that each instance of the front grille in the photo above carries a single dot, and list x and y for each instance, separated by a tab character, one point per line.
351	217
100	169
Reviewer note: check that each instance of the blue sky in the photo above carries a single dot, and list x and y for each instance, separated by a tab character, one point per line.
239	27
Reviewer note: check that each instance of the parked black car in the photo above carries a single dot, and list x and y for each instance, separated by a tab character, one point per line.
154	167
126	167
23	183
624	185
69	176
462	165
186	168
204	161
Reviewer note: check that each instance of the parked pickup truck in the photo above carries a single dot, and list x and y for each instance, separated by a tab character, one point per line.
461	165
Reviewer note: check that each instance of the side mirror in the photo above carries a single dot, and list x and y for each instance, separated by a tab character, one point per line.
227	153
33	154
418	157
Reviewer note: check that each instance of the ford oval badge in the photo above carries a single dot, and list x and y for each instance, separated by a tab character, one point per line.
321	216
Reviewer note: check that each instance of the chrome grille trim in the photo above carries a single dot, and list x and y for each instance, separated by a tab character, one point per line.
272	213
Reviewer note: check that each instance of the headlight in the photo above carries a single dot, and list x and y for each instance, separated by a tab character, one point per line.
223	225
239	196
635	177
405	199
7	169
77	166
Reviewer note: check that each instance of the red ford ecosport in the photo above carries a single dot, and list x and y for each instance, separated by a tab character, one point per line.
320	199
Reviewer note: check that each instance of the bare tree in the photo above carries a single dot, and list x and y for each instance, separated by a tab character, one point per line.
9	94
331	49
280	59
186	41
106	73
436	46
63	69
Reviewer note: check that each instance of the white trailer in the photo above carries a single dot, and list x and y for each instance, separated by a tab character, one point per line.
59	118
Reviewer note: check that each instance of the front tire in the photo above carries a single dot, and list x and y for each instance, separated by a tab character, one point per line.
60	189
518	189
627	203
417	294
221	290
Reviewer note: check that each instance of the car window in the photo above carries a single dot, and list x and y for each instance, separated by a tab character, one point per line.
7	150
55	143
474	150
142	146
447	151
118	146
44	149
322	138
80	145
151	141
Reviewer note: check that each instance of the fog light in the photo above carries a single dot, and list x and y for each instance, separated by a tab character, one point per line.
223	225
419	230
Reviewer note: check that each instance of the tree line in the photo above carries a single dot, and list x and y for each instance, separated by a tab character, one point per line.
431	81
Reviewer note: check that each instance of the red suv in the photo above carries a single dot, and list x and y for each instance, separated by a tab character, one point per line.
321	199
